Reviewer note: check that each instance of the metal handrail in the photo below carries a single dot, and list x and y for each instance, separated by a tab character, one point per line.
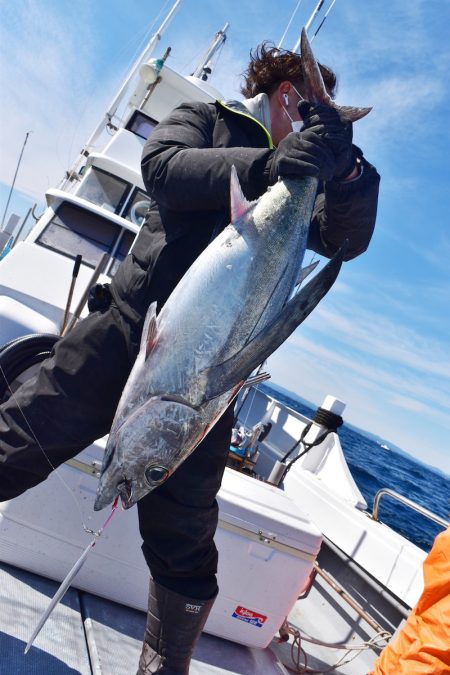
408	502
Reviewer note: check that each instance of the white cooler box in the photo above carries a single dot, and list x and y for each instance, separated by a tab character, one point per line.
266	546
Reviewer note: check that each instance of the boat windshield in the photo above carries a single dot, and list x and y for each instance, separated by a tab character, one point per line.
104	189
73	231
115	195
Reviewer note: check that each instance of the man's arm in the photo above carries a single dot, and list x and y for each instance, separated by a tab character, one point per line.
346	210
183	172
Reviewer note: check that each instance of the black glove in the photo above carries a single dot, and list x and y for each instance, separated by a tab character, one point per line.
302	154
338	135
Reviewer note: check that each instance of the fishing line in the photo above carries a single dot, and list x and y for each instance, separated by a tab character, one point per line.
96	533
54	469
69	578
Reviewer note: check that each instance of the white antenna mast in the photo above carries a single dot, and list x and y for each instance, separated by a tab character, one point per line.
323	20
204	69
289	24
14	179
134	69
309	22
111	111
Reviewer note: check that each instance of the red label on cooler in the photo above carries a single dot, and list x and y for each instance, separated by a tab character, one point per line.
249	616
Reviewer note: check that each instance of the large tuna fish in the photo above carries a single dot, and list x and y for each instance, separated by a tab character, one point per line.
231	310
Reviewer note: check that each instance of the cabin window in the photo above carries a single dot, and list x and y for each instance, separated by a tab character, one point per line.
137	208
73	231
140	124
104	189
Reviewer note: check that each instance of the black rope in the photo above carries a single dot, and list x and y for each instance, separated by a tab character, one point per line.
297	443
328	419
322	417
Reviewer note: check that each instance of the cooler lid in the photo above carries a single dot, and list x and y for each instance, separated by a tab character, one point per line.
258	507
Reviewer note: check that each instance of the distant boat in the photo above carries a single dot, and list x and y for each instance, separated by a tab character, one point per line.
384	446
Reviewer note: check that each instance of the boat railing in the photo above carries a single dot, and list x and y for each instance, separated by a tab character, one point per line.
408	502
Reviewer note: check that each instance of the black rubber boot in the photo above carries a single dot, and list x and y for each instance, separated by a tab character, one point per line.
174	624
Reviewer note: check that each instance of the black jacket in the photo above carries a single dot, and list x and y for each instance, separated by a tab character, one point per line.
186	166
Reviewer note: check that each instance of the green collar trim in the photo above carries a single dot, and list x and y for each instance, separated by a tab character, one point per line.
250	117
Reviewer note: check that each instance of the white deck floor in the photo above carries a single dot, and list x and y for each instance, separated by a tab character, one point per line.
87	635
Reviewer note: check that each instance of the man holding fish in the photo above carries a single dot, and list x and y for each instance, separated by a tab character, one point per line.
288	127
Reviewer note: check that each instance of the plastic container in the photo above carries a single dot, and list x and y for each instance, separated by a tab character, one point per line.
266	547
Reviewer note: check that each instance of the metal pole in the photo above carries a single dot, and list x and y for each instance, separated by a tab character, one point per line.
280	44
19	232
309	22
106	119
219	39
134	69
15	176
79	308
323	20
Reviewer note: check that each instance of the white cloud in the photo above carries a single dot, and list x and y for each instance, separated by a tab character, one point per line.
377	400
364	331
48	87
374	374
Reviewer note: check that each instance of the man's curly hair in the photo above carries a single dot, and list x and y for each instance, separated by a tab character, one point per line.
269	66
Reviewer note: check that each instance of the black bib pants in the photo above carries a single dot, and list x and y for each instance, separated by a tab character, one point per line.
71	403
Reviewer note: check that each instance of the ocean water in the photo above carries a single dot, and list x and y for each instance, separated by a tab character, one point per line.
374	467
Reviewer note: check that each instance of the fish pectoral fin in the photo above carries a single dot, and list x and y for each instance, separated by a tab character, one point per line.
305	272
176	398
239	203
149	330
224	376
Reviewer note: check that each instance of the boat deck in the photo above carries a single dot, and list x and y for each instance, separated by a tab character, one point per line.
87	635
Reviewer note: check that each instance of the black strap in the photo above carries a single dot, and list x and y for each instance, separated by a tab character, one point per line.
324	418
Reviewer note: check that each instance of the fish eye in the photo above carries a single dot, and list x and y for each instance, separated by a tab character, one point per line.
155	474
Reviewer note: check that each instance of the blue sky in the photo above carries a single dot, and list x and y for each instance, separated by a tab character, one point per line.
380	340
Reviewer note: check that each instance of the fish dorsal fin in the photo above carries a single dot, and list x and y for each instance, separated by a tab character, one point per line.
149	330
239	203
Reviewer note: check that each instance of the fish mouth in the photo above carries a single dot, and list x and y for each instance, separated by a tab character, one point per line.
125	492
105	496
131	492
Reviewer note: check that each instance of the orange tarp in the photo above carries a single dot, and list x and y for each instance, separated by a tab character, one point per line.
422	646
